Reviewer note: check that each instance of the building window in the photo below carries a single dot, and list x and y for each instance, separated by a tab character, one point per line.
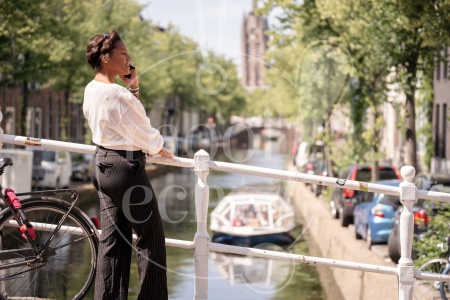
30	121
77	125
436	132
445	63
57	120
438	65
444	130
38	122
9	120
49	119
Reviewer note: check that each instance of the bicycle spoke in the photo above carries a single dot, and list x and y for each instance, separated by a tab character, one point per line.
24	284
58	290
31	282
69	270
59	246
429	289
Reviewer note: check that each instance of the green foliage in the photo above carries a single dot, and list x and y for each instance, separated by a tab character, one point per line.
45	41
391	42
439	229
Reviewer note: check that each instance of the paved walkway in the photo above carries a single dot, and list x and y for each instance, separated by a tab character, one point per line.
336	242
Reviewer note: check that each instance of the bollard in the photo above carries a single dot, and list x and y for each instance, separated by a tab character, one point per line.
201	239
405	264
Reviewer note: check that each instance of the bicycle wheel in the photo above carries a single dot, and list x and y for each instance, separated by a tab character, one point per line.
429	289
68	271
444	287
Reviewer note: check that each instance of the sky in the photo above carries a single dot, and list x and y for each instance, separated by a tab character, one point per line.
214	24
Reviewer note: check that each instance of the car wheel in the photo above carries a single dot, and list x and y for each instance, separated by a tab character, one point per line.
345	221
334	211
369	241
393	247
357	235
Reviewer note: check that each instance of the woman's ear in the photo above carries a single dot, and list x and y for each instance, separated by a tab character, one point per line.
106	58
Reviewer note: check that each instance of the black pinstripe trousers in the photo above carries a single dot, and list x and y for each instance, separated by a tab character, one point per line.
127	202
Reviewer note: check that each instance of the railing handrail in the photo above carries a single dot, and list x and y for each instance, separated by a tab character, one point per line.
241	169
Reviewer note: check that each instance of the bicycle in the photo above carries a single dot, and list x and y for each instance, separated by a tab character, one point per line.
429	289
48	247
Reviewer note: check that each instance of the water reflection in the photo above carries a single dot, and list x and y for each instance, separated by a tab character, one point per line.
261	275
258	278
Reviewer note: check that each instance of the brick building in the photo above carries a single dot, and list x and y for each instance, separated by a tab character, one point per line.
49	114
254	46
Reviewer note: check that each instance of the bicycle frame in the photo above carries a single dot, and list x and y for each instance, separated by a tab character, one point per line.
36	252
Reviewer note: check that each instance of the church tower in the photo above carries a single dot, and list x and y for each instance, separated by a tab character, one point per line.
254	46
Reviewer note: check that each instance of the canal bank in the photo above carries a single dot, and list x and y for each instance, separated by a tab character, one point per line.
328	239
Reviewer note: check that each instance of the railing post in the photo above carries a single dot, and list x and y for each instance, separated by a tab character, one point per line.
201	239
405	264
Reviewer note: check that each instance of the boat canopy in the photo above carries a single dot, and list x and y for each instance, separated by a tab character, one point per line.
245	213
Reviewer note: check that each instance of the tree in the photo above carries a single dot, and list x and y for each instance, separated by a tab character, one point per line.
46	41
28	44
384	37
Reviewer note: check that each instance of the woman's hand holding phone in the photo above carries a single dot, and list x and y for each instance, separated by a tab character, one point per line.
131	78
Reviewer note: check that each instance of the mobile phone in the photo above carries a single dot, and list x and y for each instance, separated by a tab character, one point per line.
131	72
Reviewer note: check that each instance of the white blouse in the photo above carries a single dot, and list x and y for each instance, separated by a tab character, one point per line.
118	120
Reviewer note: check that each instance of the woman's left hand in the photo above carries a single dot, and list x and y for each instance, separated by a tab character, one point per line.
163	152
133	82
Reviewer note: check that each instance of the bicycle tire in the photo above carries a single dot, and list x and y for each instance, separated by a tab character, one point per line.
69	271
429	289
444	287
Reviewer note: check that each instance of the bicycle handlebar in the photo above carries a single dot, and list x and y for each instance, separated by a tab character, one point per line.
5	161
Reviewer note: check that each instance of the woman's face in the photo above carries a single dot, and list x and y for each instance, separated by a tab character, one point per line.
118	60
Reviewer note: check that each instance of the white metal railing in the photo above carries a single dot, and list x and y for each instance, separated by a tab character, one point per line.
202	245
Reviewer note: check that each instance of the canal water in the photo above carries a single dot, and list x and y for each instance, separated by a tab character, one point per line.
230	276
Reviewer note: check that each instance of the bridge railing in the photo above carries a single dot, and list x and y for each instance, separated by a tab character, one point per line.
202	246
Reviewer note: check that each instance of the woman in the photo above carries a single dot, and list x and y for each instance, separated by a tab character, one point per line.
123	134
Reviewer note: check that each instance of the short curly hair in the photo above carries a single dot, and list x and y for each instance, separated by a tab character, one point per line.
99	45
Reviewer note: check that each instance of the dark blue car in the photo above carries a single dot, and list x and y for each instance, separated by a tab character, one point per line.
373	220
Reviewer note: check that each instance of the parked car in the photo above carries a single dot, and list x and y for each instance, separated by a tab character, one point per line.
309	169
306	151
51	168
320	168
343	201
423	210
316	166
81	166
373	220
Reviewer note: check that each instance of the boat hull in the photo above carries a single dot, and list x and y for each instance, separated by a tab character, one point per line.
251	241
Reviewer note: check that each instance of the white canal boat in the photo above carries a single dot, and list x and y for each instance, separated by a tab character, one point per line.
253	216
